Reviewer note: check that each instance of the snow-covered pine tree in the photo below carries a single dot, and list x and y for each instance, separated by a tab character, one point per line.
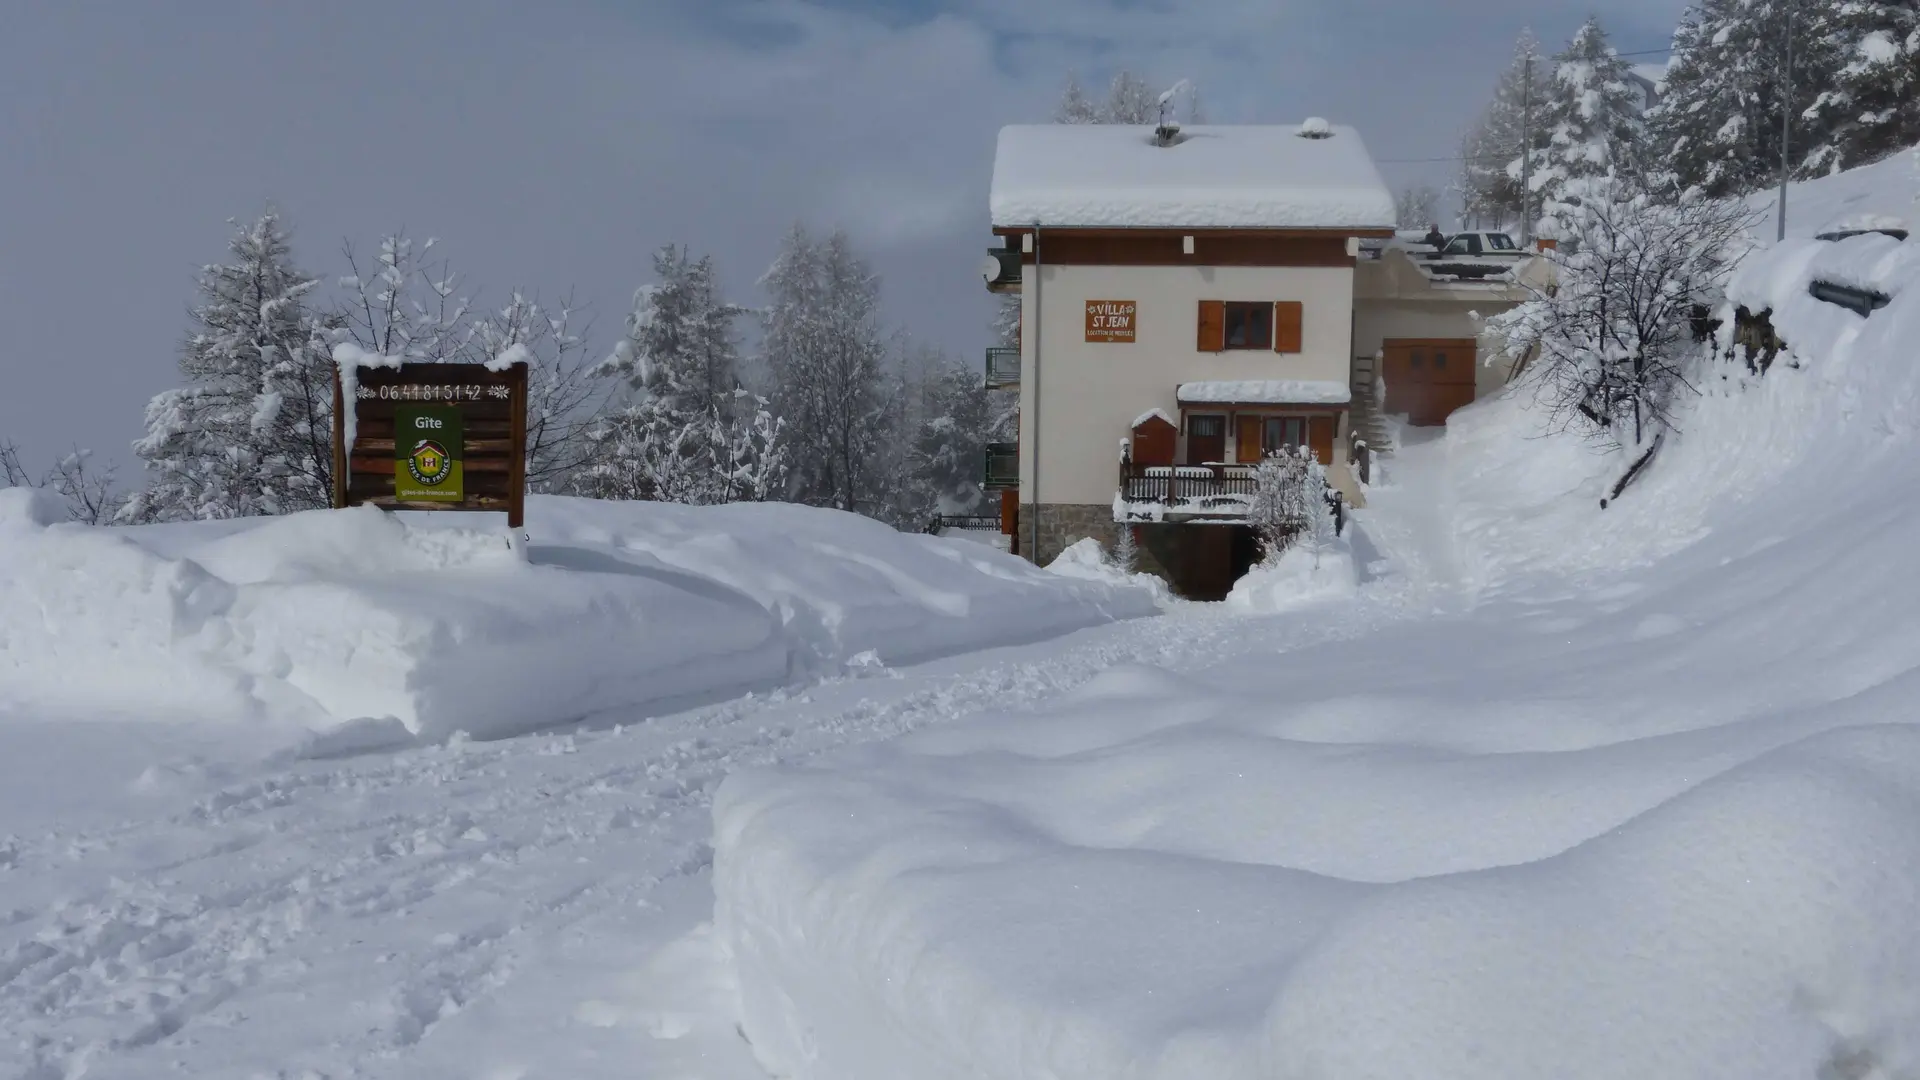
1490	153
1594	129
955	421
251	432
1125	556
824	349
670	436
1871	110
1717	126
680	343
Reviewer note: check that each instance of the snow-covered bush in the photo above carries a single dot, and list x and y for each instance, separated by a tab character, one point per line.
1125	556
1609	342
90	493
1289	503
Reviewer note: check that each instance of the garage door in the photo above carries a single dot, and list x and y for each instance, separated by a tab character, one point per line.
1428	378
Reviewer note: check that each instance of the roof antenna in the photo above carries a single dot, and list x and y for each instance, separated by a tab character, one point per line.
1168	131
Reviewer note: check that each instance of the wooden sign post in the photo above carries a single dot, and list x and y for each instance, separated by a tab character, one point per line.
432	437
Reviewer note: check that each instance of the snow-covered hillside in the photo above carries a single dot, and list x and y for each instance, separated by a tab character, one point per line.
1642	800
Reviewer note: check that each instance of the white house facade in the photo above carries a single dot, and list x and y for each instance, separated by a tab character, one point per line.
1192	300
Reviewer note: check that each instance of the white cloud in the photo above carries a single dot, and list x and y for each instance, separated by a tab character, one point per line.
556	145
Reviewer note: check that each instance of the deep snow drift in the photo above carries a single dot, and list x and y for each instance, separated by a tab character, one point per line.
364	628
1648	806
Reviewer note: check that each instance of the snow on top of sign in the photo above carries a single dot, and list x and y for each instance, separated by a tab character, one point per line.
348	355
1215	176
1266	392
348	359
509	356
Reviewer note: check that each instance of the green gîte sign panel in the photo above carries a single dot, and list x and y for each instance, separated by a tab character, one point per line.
428	449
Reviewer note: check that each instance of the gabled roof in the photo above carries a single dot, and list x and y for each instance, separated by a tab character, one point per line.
1213	176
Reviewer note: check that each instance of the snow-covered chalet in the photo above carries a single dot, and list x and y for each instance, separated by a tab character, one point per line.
1193	299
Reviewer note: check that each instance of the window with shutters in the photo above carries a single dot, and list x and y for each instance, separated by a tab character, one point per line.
1284	432
1249	326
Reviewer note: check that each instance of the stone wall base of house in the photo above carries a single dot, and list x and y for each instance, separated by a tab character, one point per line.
1062	525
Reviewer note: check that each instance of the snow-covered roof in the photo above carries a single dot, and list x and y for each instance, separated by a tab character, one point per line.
1213	176
1150	414
1652	73
1265	392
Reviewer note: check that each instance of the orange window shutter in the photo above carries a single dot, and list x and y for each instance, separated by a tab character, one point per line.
1286	326
1213	326
1320	437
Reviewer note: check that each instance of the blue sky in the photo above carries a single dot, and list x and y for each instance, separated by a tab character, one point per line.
553	147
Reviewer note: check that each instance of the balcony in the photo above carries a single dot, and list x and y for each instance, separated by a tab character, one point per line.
1002	270
1186	492
1001	467
1214	494
1003	367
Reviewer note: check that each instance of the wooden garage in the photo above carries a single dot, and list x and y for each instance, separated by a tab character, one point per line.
1428	378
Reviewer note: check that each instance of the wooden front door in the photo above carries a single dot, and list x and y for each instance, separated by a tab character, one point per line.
1246	448
1427	379
1206	439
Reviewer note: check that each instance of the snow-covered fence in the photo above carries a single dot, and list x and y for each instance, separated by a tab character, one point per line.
1186	484
980	522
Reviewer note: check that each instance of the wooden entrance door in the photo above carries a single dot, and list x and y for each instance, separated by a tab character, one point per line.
1206	439
1428	378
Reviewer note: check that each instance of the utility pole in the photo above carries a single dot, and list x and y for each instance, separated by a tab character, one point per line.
1526	157
1786	126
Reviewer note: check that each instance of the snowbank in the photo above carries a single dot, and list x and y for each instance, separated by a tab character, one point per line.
377	628
1086	560
1297	578
1651	808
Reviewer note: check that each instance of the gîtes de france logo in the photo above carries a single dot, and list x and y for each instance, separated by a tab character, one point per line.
429	463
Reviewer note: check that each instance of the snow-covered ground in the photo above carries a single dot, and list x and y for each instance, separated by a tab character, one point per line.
1541	790
359	629
1640	797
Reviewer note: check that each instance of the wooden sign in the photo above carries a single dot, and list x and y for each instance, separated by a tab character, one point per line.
431	437
1110	320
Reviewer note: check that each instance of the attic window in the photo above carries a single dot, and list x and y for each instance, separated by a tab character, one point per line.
1315	127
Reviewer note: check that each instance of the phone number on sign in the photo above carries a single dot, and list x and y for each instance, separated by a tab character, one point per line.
434	392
